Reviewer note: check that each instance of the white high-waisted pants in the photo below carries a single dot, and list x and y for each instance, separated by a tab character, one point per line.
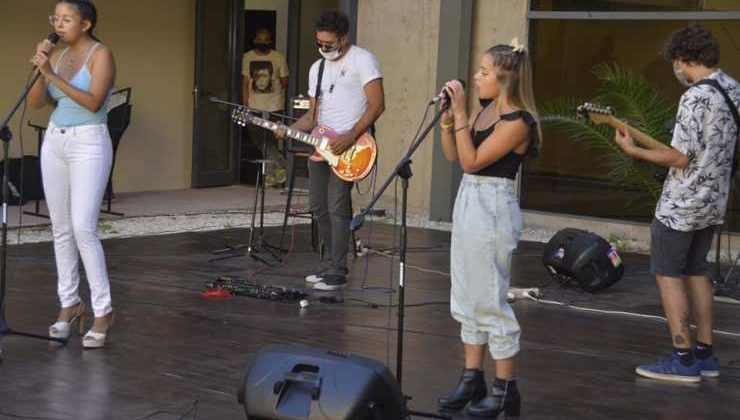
486	225
75	164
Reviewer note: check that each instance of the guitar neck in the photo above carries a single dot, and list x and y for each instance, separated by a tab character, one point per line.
643	139
290	133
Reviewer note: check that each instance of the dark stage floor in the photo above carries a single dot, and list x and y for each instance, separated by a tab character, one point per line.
173	352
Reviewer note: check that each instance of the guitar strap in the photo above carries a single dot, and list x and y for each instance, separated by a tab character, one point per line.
318	89
735	115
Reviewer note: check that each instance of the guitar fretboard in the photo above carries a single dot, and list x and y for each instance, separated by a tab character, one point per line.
291	133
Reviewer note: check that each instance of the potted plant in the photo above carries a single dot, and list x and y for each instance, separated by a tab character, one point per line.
635	100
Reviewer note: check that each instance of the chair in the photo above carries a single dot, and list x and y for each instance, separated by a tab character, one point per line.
119	117
37	168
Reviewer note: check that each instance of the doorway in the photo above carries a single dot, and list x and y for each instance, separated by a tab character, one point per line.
224	32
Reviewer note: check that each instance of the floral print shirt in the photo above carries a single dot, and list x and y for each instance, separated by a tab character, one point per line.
695	197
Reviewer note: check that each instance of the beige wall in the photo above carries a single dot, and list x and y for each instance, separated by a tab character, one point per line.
496	22
403	35
153	44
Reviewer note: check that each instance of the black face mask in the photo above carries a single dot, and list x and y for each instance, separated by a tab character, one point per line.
485	102
261	47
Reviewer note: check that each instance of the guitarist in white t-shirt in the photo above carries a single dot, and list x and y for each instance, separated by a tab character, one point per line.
349	100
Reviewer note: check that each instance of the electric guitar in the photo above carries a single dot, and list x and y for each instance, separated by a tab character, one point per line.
605	115
353	165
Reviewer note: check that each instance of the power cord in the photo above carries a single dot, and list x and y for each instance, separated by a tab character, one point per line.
22	171
621	313
18	416
390	289
193	409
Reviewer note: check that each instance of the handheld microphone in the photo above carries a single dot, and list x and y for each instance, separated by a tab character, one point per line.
443	95
53	38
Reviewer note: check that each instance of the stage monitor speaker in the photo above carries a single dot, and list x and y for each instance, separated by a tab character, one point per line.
291	382
582	259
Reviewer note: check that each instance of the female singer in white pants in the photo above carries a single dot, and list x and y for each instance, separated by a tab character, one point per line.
76	159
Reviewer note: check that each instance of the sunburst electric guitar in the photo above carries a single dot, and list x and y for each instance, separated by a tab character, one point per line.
605	115
352	165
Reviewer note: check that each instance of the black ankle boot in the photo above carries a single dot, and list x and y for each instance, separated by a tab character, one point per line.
472	387
504	397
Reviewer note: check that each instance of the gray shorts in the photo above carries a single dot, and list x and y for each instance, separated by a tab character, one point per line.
674	253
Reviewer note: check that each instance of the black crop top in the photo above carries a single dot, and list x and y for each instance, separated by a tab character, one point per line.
507	166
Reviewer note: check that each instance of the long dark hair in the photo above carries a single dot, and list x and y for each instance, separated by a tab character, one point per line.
87	11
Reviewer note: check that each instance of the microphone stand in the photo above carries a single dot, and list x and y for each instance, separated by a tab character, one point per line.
402	170
6	136
252	248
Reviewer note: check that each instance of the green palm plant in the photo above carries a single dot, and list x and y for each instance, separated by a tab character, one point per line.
634	99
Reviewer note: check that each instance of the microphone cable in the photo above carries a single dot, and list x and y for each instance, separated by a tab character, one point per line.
390	289
23	167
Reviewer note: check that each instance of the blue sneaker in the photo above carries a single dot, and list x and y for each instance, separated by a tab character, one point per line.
709	367
671	369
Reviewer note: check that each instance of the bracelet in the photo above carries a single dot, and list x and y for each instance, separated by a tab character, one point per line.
447	126
461	128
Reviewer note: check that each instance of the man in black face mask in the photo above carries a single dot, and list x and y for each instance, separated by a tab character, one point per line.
265	77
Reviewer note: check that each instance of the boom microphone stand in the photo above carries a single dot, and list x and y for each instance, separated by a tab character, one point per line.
402	170
6	136
252	248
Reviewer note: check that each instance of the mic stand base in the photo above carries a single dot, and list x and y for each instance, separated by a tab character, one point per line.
5	329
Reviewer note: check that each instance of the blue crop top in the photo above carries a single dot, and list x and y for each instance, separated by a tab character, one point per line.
68	113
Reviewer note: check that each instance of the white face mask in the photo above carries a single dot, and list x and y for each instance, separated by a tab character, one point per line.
331	55
682	79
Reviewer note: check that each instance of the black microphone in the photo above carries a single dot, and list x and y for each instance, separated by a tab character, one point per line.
53	38
443	95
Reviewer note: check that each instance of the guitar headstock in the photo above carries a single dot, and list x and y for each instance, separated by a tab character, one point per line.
240	115
598	114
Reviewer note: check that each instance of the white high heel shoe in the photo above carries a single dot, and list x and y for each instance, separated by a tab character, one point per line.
61	329
96	340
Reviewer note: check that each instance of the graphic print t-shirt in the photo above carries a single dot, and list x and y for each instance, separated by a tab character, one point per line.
264	72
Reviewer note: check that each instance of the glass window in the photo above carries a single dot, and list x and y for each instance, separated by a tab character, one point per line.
635	5
568	177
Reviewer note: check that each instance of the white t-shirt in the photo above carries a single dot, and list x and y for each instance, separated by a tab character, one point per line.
264	71
343	101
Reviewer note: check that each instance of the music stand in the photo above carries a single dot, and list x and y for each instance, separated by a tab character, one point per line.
251	248
119	118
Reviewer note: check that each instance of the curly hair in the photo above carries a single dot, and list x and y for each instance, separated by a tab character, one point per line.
333	21
694	44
